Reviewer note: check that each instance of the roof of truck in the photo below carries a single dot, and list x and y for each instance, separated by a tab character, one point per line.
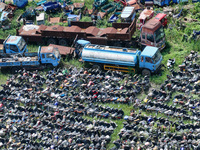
149	51
152	24
13	40
159	16
47	49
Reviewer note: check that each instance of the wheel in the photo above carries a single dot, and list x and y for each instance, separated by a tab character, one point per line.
51	41
49	66
41	43
146	72
96	66
62	42
13	70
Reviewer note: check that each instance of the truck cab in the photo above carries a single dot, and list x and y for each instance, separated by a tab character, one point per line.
49	56
150	60
14	44
145	15
152	34
79	46
162	18
161	2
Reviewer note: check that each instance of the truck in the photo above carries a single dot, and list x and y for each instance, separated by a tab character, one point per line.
152	34
44	58
120	34
123	59
145	15
20	3
13	45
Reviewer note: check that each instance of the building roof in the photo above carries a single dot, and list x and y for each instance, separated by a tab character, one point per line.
13	40
149	51
159	16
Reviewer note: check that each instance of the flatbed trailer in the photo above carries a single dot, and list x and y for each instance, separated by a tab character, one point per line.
119	33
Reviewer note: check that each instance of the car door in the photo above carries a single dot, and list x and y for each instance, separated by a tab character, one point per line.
148	63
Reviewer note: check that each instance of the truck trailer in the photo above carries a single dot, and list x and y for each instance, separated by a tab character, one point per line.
119	33
123	59
44	58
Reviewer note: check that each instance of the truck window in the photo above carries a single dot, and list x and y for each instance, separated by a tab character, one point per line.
142	58
148	59
14	48
7	46
143	35
50	56
150	37
43	56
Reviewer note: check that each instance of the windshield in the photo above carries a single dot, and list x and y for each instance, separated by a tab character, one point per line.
156	57
21	44
159	34
56	53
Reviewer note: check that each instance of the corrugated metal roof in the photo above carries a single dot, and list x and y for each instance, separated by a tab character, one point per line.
92	30
54	28
108	30
127	11
64	50
72	29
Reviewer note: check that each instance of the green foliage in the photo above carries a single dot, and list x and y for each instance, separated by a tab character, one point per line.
86	19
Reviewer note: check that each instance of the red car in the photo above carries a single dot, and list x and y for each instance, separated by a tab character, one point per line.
162	18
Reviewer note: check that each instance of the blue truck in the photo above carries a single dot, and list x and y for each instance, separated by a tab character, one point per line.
20	3
46	57
123	59
162	2
13	45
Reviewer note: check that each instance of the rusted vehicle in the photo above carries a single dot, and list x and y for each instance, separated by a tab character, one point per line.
162	18
118	34
145	15
152	34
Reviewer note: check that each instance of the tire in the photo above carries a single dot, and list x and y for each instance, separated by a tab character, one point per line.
13	70
96	66
49	66
146	72
62	42
51	41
